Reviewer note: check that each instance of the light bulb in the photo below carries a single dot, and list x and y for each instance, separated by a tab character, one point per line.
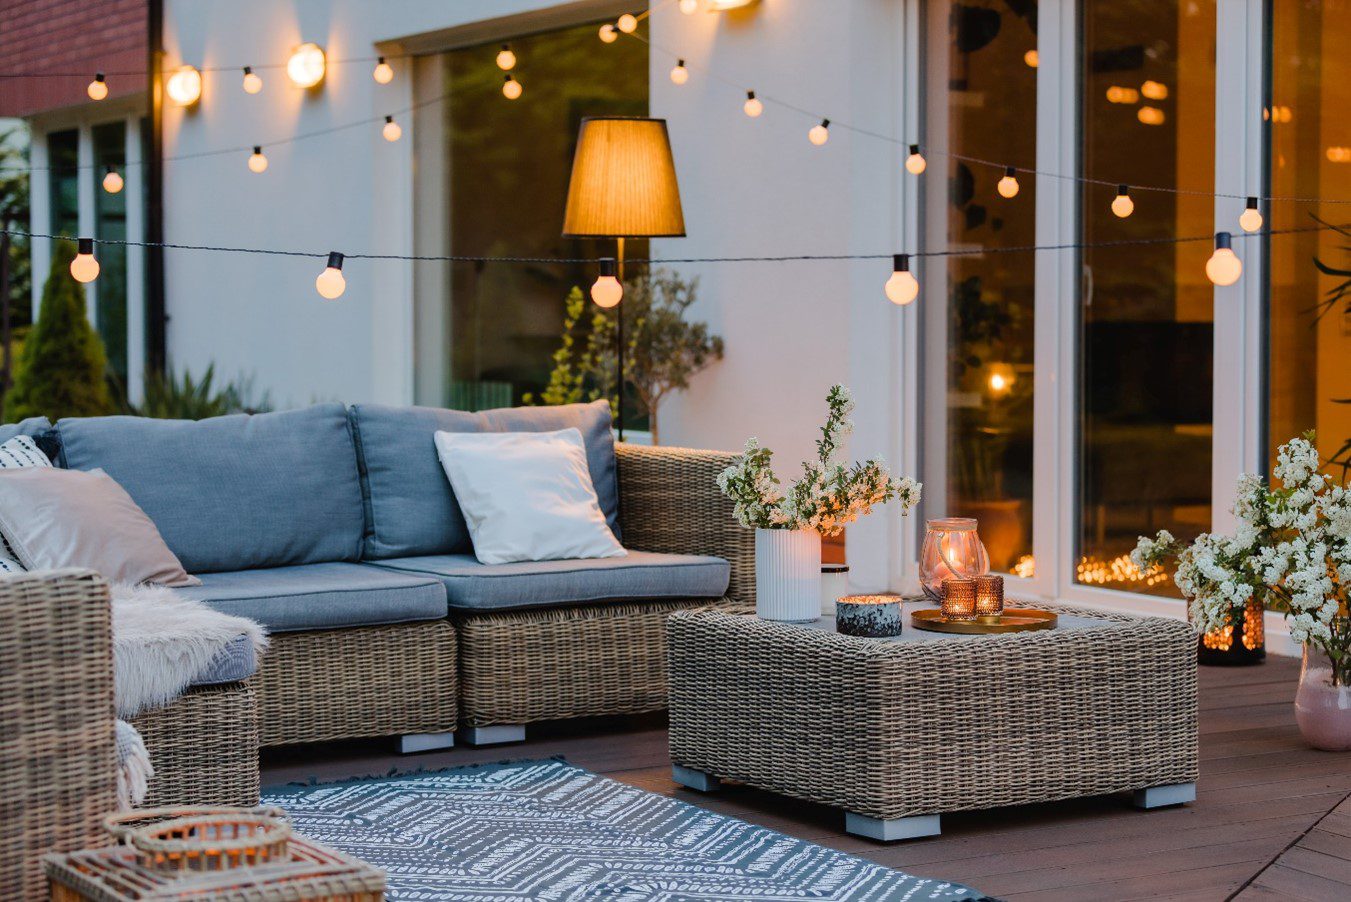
511	88
820	134
306	66
753	106
1150	115
915	163
252	83
679	74
330	284
1224	267
98	88
1251	219
185	86
606	290
1008	185
628	23
998	382
383	73
902	287
112	181
257	160
1122	205
506	60
689	7
1154	90
392	131
84	268
608	33
1032	59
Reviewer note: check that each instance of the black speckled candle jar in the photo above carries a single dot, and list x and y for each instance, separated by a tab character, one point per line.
874	616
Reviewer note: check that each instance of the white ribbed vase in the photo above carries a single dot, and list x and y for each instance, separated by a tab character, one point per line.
788	575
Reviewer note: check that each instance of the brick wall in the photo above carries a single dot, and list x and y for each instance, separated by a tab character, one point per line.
69	36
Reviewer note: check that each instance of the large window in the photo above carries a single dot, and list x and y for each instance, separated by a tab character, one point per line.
1146	312
506	165
110	223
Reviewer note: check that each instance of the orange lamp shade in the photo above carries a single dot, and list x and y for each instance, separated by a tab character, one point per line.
623	181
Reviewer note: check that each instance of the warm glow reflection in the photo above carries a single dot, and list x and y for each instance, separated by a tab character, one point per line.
1118	94
1026	567
1095	571
1032	58
1339	154
1150	115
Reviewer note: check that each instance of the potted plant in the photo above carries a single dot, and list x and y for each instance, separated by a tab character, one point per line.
789	525
1291	552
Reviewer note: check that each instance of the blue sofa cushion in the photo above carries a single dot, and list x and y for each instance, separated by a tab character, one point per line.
411	507
234	492
236	663
33	426
471	586
322	596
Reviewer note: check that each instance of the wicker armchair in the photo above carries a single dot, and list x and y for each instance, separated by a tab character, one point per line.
58	757
518	667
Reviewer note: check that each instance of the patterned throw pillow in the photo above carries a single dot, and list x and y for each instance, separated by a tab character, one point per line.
18	453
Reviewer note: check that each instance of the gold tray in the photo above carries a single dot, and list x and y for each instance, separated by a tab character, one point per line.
1013	620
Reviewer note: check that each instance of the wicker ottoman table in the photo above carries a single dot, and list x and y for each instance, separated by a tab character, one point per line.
898	731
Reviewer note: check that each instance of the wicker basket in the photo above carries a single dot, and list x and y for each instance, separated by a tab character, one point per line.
203	839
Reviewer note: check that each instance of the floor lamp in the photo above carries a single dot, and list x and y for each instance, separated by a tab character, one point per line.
623	185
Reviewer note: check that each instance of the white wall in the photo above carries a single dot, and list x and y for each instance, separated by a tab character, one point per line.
750	187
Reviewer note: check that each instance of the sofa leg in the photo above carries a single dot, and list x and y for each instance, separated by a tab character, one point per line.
497	734
892	830
411	743
1163	796
698	780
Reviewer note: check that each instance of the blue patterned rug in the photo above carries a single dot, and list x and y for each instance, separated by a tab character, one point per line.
548	830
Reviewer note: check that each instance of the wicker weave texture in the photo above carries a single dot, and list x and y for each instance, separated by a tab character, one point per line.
669	502
204	746
58	758
366	681
525	666
893	730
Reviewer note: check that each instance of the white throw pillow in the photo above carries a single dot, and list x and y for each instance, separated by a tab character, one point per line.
526	496
18	453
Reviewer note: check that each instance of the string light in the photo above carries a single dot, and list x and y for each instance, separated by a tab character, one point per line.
689	7
185	86
606	290
257	160
753	107
1251	218
608	33
330	284
1032	59
306	66
252	83
1224	267
392	130
1122	205
383	73
819	134
628	23
902	287
112	181
506	59
84	268
511	88
1008	185
915	163
98	88
679	74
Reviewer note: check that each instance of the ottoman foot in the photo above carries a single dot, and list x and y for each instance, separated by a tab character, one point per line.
891	830
412	743
497	734
1162	796
695	779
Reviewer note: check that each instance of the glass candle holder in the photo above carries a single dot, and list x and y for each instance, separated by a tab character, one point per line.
989	595
959	599
952	548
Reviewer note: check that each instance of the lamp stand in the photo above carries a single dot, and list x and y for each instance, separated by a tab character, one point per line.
619	339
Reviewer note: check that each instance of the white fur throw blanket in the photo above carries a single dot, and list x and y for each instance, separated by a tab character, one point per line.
134	769
162	641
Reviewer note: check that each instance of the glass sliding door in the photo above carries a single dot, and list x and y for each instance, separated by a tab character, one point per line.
110	224
1309	155
1146	312
981	62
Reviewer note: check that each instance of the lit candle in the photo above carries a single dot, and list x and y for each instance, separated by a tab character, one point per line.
959	599
989	595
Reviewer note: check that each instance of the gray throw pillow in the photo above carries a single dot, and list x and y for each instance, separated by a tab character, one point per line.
57	518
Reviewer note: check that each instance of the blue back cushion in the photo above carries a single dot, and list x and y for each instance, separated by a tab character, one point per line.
235	492
29	427
412	509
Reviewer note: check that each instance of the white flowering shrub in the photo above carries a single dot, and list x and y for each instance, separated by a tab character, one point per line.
1291	551
829	496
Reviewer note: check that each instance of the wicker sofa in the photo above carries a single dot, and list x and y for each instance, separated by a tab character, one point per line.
336	529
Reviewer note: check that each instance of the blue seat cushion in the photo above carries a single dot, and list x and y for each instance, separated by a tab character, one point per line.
471	586
322	596
237	662
235	492
411	507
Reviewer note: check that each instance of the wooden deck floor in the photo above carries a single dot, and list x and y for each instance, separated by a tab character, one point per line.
1263	826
